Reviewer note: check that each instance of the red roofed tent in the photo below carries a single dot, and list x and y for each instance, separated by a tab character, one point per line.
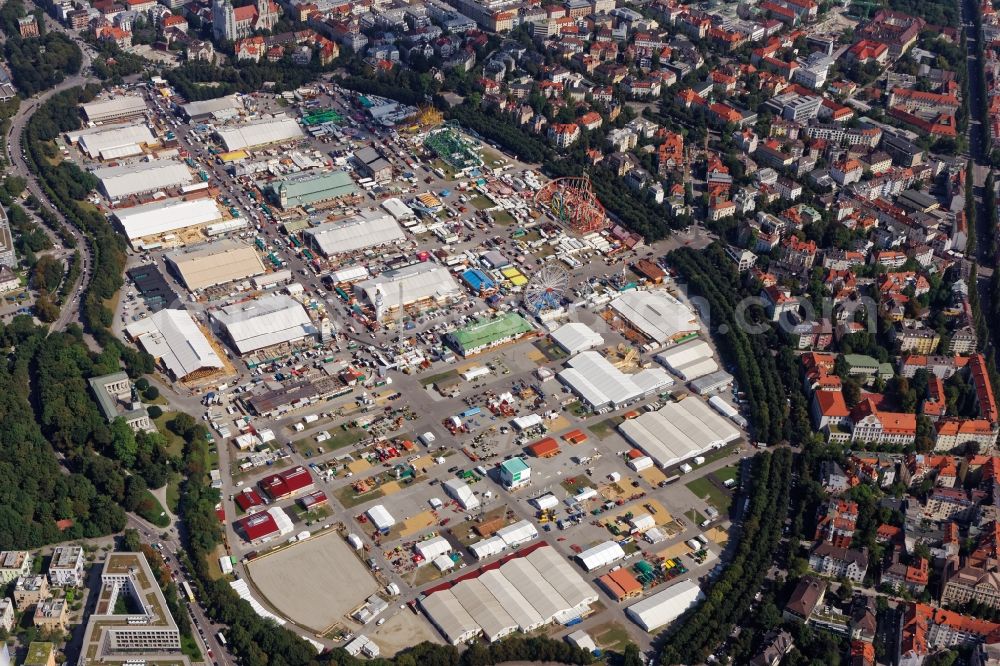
544	448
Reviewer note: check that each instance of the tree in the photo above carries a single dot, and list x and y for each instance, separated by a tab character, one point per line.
135	492
632	656
151	393
852	393
131	542
154	412
123	442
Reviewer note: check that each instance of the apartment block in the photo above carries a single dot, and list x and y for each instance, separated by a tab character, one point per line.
66	567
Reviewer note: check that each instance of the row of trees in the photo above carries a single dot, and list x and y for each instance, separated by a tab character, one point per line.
201	80
67	187
695	636
711	275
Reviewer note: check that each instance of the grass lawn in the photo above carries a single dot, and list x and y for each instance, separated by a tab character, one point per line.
695	517
448	171
490	156
175	443
173	492
727	473
575	484
338	438
190	647
611	636
214	570
481	202
716	454
348	499
551	350
578	409
151	510
708	491
503	218
604	428
431	379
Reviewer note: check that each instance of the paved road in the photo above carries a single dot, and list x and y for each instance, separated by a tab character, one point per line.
977	134
19	166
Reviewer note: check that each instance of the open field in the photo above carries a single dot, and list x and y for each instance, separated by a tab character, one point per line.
713	494
314	582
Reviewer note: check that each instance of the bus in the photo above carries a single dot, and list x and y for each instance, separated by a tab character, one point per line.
187	591
221	638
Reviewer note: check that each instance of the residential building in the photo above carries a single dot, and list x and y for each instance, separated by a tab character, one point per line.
835	562
837	521
6	619
66	567
30	590
13	564
50	615
808	594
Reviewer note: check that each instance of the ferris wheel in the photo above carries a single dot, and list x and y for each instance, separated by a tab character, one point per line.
547	288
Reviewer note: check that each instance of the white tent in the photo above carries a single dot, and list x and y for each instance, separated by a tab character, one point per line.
664	607
601	555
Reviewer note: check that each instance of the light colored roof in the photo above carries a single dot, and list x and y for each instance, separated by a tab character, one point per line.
520	609
563	578
370	229
433	547
678	431
449	615
692	371
265	322
214	263
419	281
518	533
165	216
461	491
600	383
173	337
681	355
484	608
112	141
125	104
533	587
666	606
657	314
128	179
577	337
380	517
601	555
397	208
210	106
488	547
259	133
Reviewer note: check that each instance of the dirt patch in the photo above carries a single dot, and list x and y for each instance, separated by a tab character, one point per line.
414	524
653	476
404	630
358	466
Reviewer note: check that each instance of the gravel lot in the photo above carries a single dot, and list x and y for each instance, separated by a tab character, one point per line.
313	583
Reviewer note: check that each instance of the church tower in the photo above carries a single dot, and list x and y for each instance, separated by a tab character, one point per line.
267	14
223	20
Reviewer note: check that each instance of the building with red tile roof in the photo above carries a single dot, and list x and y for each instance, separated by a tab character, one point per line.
836	523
